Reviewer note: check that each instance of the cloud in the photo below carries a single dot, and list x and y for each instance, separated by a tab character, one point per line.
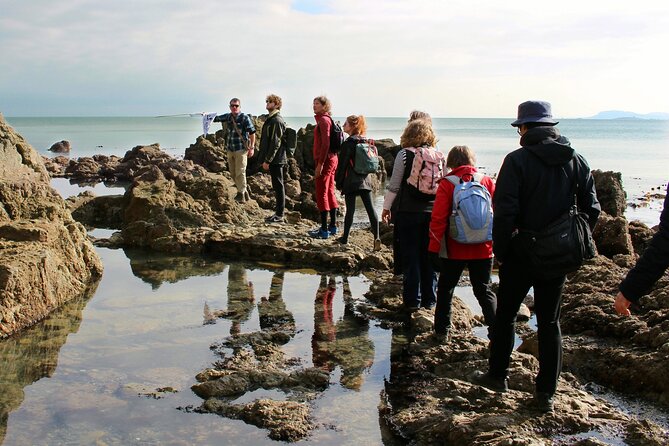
456	58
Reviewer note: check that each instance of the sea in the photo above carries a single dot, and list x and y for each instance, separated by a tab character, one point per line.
637	148
115	367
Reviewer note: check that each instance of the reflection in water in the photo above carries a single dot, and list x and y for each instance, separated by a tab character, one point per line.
33	354
157	268
240	297
272	311
345	343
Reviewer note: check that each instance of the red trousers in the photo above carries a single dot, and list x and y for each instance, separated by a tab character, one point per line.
325	185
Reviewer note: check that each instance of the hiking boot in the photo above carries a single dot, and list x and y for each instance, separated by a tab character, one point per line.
488	381
542	402
377	245
240	197
247	197
274	219
333	230
342	240
319	233
441	338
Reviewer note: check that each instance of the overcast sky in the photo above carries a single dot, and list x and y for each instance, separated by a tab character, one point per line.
451	58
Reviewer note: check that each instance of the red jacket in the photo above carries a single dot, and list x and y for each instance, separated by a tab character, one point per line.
322	138
443	205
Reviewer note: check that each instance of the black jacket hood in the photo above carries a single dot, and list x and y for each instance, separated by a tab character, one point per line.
546	142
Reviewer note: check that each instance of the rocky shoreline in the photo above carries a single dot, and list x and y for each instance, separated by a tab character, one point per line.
187	207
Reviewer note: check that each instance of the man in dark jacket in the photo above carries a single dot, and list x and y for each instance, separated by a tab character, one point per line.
534	188
649	268
273	153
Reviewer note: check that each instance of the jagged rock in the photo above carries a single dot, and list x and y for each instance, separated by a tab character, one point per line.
46	258
60	147
208	154
640	235
611	236
610	193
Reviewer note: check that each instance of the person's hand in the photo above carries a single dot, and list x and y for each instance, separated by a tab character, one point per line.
250	153
385	216
435	261
622	305
265	166
319	169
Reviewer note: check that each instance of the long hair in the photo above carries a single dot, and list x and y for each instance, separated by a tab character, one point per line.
418	133
358	124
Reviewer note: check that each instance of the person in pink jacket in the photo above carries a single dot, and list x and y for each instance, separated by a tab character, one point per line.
326	167
476	257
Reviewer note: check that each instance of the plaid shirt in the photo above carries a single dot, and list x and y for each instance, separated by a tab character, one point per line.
234	143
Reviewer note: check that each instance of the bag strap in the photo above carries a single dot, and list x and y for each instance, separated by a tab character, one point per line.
239	132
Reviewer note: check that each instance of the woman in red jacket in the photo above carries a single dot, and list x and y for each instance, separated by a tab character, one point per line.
326	166
452	260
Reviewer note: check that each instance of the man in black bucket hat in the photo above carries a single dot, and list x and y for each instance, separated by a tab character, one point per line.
534	188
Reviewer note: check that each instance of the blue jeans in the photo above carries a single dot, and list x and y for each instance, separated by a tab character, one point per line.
420	280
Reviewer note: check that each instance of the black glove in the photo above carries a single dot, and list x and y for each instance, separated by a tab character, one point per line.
435	261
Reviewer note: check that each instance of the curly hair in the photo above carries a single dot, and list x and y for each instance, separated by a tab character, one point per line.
416	114
418	133
460	156
358	124
276	99
325	102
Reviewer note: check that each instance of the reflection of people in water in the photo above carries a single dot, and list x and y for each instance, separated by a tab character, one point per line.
272	310
240	297
345	343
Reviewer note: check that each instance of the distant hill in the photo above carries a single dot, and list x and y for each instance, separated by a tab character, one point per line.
618	114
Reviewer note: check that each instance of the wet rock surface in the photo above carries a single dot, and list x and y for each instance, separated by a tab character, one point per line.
46	258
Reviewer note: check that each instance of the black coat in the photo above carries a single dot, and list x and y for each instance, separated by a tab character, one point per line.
652	264
534	186
348	180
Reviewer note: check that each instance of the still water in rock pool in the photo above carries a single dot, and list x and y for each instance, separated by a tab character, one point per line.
116	367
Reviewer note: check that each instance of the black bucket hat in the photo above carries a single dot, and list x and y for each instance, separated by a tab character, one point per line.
534	111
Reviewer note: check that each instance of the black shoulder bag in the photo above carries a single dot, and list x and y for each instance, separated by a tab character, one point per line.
564	244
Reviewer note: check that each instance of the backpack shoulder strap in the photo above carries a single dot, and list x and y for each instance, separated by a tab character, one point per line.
453	179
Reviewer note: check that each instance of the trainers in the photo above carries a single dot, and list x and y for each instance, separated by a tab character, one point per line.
542	402
377	245
490	382
274	219
342	240
319	233
333	230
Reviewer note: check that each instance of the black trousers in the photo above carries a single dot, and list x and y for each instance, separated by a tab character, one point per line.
515	281
276	171
479	275
366	197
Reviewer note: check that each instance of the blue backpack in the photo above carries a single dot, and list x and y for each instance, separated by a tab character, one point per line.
471	218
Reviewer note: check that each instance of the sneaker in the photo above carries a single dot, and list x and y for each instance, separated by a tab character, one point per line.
274	219
319	233
342	240
490	382
542	402
377	245
333	230
269	219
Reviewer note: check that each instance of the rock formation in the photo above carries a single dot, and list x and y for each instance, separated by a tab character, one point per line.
60	147
46	258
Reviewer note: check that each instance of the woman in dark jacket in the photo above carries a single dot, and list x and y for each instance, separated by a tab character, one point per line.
353	184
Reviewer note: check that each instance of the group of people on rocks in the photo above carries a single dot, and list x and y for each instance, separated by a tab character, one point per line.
536	184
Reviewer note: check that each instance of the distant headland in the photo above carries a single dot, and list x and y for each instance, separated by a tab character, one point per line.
619	114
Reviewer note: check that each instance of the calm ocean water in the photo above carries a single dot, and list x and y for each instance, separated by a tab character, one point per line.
639	149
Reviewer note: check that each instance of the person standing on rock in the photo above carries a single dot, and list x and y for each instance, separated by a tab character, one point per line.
534	188
353	184
326	165
411	209
477	257
649	268
239	145
273	153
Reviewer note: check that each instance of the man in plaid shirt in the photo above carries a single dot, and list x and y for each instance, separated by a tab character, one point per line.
239	145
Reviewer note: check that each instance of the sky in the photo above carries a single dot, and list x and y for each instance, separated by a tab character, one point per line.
451	58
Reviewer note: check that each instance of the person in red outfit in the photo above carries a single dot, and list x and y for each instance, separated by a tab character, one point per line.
326	166
476	257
